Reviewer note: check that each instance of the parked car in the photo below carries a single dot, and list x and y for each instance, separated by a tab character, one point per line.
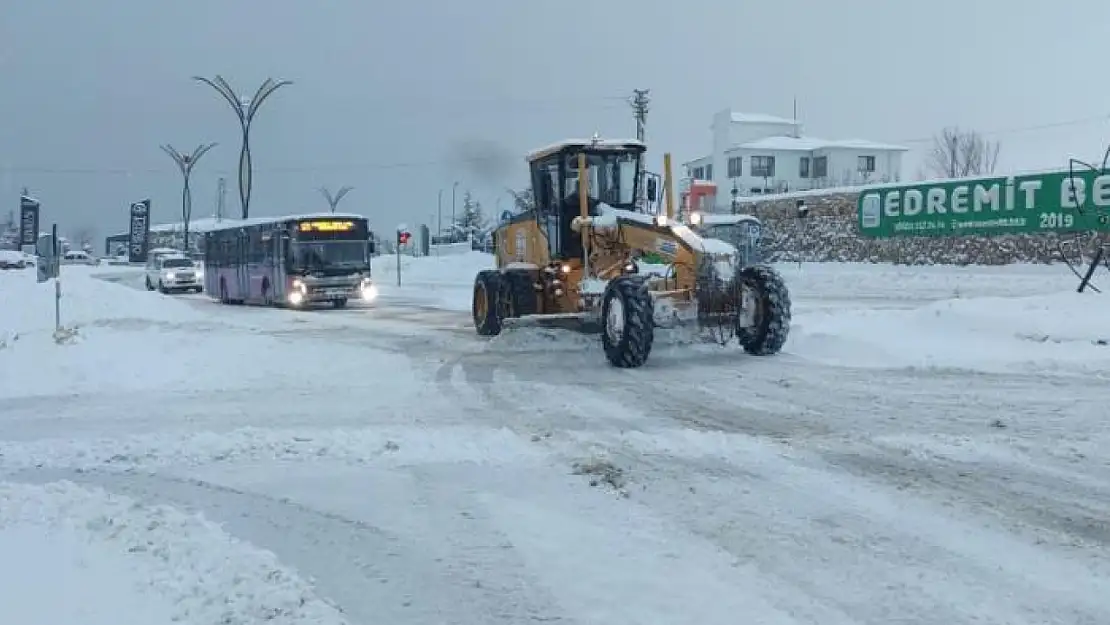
172	272
78	257
12	259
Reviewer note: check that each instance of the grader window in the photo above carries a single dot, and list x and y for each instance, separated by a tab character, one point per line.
612	177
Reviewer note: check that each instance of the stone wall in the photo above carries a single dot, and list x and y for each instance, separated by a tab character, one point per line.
831	233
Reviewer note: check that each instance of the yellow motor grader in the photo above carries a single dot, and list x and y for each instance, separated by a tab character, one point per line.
570	261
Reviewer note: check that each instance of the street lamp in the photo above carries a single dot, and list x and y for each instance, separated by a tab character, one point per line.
185	163
333	200
245	108
454	187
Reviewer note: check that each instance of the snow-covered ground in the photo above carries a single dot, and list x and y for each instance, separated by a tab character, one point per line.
931	447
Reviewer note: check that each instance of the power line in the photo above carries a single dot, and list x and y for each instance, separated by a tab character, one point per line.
385	166
1020	129
276	170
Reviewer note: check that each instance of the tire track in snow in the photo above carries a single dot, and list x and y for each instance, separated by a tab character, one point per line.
1073	513
863	552
372	574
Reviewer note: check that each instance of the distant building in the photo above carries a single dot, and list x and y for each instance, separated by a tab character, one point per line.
763	154
171	235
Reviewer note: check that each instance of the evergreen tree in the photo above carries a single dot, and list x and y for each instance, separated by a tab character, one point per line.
471	223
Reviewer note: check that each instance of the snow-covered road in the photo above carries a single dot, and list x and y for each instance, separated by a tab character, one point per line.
931	448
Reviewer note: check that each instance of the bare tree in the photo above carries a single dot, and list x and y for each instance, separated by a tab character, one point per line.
958	153
81	236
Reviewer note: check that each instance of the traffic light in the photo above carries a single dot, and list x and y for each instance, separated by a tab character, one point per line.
403	237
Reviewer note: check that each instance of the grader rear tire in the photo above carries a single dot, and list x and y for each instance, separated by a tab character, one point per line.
484	306
772	313
627	322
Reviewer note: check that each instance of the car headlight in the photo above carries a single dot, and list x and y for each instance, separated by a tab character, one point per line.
695	218
170	275
298	284
368	291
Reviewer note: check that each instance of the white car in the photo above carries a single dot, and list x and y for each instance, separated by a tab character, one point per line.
173	272
78	257
10	259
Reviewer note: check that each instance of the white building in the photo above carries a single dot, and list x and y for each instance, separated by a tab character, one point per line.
761	154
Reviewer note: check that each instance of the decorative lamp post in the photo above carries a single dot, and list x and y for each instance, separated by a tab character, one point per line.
186	162
333	200
245	109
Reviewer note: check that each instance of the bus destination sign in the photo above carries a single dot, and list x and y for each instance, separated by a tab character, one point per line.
326	226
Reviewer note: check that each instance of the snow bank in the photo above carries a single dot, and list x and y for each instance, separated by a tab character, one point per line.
128	339
445	282
1064	332
77	555
63	578
450	249
867	281
27	306
451	270
396	445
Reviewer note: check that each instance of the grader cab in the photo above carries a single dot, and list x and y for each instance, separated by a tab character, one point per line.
570	261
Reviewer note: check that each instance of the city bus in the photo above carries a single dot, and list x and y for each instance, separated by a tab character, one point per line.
294	261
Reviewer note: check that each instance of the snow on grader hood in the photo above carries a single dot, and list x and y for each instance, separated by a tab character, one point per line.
570	262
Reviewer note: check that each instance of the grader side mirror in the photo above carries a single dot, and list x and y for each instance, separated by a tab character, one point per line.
652	189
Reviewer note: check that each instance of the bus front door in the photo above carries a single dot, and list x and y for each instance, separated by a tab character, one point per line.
276	268
242	270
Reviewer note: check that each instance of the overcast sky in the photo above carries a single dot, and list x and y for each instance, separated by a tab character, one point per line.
392	97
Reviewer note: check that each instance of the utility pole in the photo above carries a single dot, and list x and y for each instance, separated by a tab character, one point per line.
640	100
221	197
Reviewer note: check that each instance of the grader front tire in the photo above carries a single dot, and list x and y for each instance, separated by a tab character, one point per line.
627	322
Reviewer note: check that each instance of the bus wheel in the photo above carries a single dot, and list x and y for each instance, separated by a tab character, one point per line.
339	303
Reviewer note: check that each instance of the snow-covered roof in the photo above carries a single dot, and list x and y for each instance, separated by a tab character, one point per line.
808	144
698	161
594	144
760	118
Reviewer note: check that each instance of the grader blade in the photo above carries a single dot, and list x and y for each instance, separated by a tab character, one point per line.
575	322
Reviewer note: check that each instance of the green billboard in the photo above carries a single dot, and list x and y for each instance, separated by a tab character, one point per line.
1057	201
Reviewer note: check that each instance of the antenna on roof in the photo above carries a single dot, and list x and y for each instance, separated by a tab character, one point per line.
797	135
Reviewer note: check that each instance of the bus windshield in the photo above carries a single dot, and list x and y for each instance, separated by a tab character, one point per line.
326	255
